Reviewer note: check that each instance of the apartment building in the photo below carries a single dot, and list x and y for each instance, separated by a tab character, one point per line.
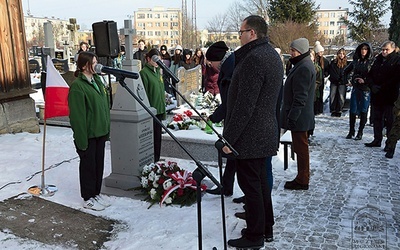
158	25
330	24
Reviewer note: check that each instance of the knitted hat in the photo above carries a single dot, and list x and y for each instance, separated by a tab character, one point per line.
178	47
301	45
163	47
318	47
216	51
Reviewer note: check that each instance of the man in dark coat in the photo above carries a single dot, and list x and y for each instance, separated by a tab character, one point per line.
140	54
251	126
383	80
297	111
223	62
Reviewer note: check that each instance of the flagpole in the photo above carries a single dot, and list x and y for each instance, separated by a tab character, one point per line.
43	154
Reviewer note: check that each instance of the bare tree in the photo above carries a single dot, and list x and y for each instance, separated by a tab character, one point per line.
282	34
218	25
256	7
236	14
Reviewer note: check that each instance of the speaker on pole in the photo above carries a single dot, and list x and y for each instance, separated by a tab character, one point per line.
106	39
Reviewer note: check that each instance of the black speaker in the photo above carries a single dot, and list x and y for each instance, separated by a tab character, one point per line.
106	39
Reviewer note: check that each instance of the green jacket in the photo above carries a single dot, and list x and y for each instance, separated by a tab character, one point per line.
89	110
154	86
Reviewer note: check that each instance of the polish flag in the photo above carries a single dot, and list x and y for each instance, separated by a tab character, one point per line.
56	94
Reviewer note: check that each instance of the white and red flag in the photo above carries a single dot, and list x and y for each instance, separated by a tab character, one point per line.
56	93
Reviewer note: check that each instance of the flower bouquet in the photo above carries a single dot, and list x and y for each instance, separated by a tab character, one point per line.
166	183
182	121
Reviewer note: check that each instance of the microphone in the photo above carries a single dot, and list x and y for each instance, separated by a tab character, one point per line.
157	60
98	68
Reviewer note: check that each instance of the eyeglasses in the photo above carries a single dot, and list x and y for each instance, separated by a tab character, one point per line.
240	32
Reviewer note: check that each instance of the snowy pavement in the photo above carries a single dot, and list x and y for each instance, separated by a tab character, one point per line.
346	178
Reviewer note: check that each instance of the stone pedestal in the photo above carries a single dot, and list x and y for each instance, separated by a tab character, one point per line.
131	133
18	116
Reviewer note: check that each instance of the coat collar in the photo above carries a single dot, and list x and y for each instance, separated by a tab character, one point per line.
244	50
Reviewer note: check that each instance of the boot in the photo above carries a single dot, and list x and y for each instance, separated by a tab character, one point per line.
389	154
358	136
352	125
363	121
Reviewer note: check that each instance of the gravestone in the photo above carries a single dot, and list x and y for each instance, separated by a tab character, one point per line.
189	83
61	65
34	66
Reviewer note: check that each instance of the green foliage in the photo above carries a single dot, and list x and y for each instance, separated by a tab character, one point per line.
394	28
364	21
298	11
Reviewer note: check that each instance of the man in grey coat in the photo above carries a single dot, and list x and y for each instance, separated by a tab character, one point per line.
297	111
251	126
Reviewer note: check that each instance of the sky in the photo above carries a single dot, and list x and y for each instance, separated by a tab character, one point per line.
91	11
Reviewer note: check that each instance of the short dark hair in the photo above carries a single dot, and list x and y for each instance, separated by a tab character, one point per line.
153	52
258	24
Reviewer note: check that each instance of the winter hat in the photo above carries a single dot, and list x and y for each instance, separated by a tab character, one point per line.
216	51
301	45
178	47
163	47
318	47
187	52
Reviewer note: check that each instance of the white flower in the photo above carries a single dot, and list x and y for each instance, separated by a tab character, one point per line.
153	193
167	184
144	182
151	176
155	184
168	200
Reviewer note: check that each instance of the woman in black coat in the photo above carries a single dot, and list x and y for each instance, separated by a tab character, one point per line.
337	95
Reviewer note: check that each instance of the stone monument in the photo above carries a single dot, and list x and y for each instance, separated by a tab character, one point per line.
189	83
131	126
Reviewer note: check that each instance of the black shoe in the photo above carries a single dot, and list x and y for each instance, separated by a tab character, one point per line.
268	238
243	242
373	144
215	191
358	136
241	215
294	185
389	154
238	200
350	135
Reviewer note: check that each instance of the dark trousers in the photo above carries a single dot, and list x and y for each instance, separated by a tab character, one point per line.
337	97
300	147
394	134
383	114
157	129
91	167
228	178
251	174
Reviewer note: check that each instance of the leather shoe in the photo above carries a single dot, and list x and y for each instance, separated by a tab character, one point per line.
373	144
243	242
238	200
386	148
294	185
241	215
268	238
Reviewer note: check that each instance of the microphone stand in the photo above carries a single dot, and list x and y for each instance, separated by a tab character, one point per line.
198	174
219	144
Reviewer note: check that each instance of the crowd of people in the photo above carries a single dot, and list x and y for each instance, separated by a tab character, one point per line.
257	103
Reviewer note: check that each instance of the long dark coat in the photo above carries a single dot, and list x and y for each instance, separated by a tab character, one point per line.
298	95
251	124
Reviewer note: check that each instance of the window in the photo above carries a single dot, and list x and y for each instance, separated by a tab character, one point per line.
157	16
165	33
157	33
141	16
332	23
165	15
140	24
174	24
150	33
165	24
333	14
158	24
149	25
165	42
331	32
149	15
